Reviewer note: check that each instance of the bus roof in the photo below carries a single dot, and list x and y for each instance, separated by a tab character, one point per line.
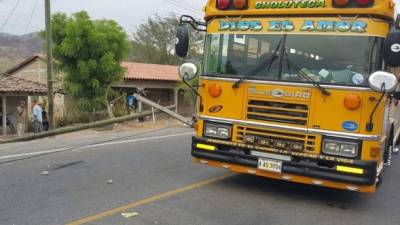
376	8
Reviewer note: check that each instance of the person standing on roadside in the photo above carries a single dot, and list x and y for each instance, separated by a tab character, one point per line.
37	118
21	115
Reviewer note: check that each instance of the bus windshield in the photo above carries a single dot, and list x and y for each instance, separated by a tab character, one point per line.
327	59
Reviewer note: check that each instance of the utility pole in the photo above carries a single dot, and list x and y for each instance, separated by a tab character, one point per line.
50	95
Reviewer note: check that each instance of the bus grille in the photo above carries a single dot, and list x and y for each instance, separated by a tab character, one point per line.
276	139
278	112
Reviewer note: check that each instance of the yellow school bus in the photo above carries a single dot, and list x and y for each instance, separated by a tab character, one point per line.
296	90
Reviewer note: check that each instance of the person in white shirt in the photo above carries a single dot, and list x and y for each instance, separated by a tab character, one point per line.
21	115
37	118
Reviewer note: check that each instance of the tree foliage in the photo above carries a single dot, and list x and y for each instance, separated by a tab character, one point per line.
154	41
89	52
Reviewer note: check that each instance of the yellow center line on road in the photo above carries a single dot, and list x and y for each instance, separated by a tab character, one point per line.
148	200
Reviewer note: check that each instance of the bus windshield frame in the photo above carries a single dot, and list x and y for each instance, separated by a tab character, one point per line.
343	60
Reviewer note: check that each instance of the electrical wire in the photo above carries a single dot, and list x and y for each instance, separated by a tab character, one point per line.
10	15
182	6
25	36
31	16
187	4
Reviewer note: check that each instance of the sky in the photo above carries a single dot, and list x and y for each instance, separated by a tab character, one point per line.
28	15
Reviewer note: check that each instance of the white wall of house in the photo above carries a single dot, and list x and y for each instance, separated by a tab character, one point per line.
37	72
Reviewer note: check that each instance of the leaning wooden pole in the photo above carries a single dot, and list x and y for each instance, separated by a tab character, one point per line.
82	127
50	93
163	109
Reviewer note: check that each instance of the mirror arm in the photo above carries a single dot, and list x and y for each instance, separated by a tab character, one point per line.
198	86
195	91
197	25
370	124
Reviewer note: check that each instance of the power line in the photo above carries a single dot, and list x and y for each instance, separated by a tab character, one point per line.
192	8
178	4
183	7
10	15
185	2
188	6
25	37
21	14
31	17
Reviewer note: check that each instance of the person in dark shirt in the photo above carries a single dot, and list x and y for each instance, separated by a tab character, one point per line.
45	122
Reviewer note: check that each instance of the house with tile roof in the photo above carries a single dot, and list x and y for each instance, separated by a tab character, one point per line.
157	82
13	90
30	71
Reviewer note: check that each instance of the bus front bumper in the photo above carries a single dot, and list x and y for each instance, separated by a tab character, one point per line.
298	169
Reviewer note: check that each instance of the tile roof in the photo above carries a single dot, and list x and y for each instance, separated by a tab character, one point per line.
15	85
142	71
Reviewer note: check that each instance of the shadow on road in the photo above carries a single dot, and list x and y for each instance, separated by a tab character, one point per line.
299	192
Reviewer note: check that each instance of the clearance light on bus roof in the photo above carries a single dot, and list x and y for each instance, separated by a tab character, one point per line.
240	4
223	4
341	2
352	3
231	4
362	2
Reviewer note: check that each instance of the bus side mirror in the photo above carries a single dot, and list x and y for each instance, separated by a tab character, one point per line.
384	82
182	41
391	50
188	71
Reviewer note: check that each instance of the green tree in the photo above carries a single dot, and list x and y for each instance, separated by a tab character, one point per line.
89	52
154	41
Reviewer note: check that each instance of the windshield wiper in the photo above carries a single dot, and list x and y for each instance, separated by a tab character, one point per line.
267	63
306	76
372	62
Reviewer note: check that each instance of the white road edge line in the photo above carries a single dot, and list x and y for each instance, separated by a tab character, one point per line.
136	140
34	153
93	146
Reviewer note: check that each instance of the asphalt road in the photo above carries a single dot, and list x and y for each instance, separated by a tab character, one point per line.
150	177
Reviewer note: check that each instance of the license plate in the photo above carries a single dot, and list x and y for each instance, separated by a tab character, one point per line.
270	165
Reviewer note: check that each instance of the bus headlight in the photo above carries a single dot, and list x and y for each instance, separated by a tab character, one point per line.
218	131
210	130
340	148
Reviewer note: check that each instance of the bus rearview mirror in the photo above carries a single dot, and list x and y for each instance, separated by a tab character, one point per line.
182	41
391	50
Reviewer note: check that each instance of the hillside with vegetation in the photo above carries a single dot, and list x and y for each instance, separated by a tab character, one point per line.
15	48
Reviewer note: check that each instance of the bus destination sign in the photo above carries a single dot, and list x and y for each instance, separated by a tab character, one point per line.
288	25
289	4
